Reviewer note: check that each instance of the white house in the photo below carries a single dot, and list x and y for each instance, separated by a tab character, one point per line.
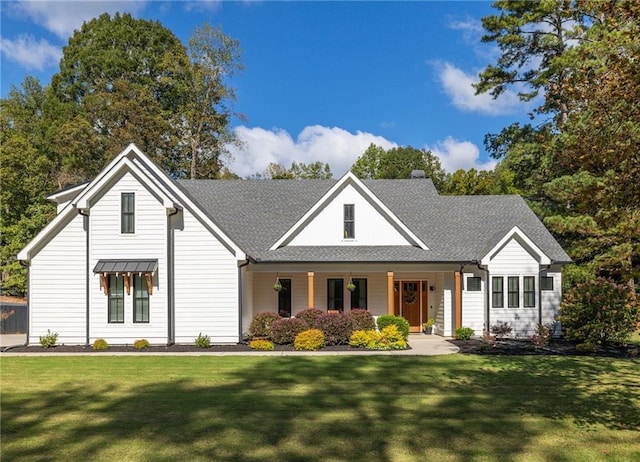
134	254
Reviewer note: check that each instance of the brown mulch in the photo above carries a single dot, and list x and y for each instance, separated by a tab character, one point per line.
557	347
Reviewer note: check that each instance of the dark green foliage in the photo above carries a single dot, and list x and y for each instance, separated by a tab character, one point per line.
203	341
284	330
310	316
362	319
398	163
599	313
337	328
260	326
388	319
463	333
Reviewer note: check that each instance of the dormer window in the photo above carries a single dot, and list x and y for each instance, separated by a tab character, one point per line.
349	222
127	213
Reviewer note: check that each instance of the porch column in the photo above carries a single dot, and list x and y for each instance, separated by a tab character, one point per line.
390	298
310	275
457	299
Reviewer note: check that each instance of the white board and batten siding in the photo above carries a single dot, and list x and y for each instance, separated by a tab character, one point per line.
58	271
551	299
513	259
148	242
327	227
473	302
205	285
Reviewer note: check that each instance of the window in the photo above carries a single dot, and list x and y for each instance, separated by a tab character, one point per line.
497	292
546	283
127	213
529	294
359	295
335	294
474	284
116	299
284	298
140	299
349	222
513	292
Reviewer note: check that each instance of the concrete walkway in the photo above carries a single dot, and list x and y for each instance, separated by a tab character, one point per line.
421	345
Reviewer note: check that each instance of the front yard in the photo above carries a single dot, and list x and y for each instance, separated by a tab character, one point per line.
382	408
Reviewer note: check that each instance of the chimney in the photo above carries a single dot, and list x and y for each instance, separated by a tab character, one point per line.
417	174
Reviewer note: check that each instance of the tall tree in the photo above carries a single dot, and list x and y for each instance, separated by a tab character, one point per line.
473	182
298	171
376	162
25	177
598	197
206	109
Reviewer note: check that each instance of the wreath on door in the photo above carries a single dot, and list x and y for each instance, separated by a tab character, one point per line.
410	296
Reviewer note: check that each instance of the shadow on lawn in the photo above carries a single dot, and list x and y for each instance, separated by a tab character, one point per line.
343	408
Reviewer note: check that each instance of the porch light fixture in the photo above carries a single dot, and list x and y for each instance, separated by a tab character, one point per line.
432	288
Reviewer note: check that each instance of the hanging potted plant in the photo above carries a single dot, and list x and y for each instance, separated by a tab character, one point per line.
277	286
351	286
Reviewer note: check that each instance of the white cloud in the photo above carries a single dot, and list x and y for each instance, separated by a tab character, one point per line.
63	17
332	145
455	155
32	54
458	85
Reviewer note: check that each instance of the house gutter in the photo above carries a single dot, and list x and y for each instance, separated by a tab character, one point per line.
544	268
240	287
27	265
87	281
170	279
487	326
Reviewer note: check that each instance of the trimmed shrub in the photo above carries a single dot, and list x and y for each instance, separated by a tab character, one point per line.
337	328
203	341
261	344
389	319
309	340
260	326
362	319
501	329
543	334
464	333
141	344
310	316
389	338
100	344
361	338
284	331
598	313
49	339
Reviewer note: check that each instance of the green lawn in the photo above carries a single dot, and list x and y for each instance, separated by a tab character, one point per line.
322	408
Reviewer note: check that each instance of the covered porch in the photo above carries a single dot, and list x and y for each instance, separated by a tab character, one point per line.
416	292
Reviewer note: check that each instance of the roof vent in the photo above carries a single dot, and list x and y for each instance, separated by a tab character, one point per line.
417	174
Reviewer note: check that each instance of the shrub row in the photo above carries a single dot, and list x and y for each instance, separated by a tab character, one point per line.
336	328
389	338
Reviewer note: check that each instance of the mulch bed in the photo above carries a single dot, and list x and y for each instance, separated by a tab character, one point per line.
241	347
556	347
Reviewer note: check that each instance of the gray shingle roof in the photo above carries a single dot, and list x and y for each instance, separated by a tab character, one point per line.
256	213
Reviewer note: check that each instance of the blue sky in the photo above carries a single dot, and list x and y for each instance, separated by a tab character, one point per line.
322	80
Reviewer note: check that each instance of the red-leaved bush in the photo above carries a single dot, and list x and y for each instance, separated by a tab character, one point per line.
260	326
310	315
337	328
362	319
284	331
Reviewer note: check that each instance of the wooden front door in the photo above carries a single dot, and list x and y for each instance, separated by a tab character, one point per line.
410	298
